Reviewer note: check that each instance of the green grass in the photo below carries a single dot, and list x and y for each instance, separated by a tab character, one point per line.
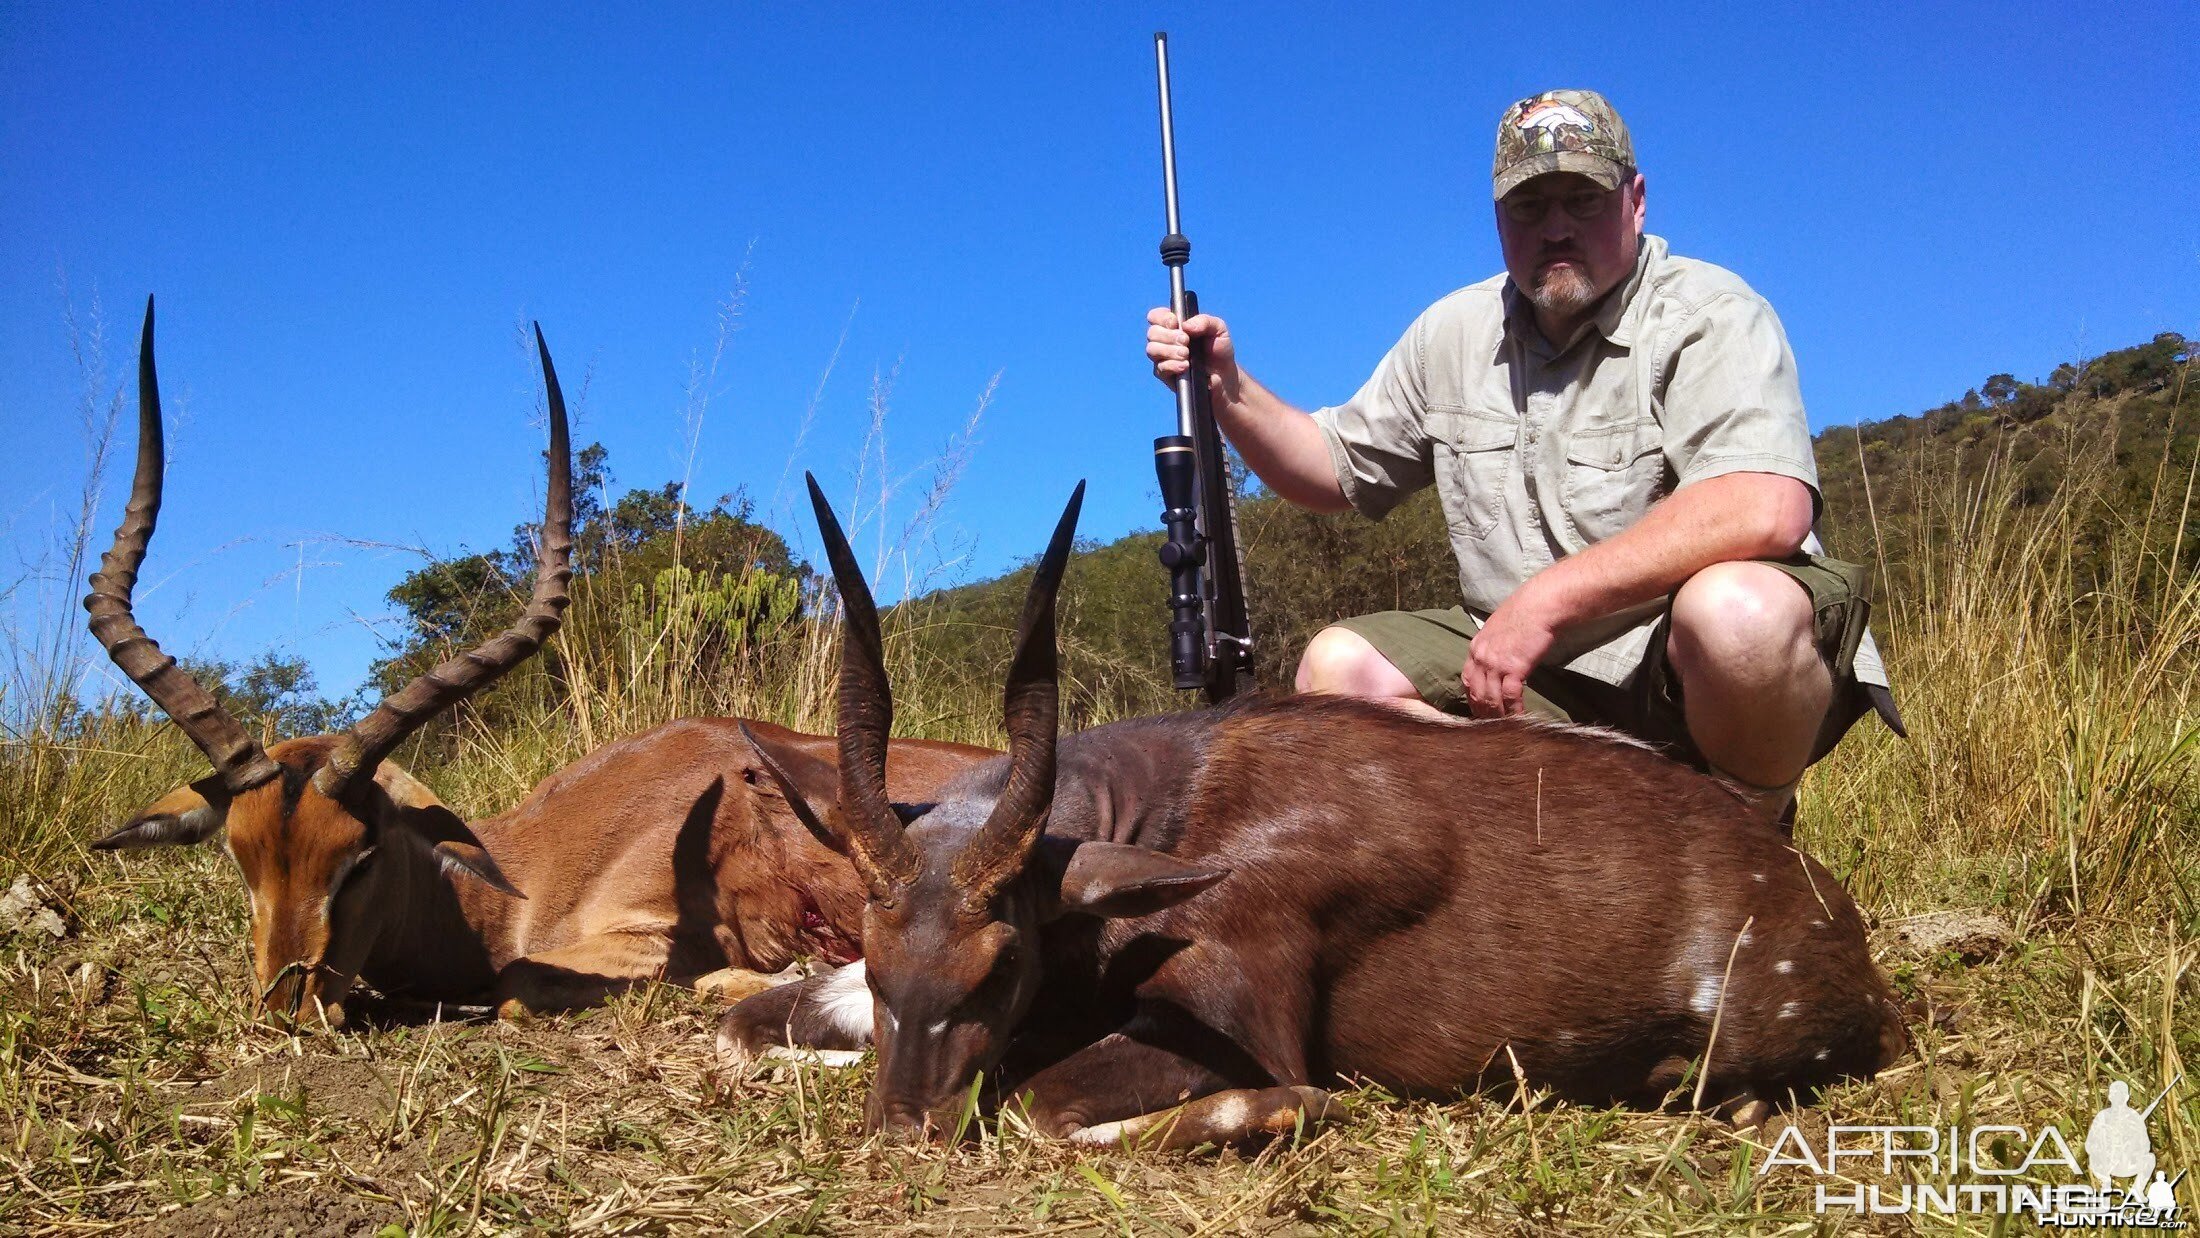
2050	781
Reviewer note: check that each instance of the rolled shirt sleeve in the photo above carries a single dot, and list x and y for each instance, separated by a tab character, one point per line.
1378	439
1732	403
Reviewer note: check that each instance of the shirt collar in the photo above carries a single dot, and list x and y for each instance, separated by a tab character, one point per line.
1617	315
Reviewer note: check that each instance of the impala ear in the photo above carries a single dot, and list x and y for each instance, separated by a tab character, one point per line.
800	779
428	822
472	859
183	817
1118	880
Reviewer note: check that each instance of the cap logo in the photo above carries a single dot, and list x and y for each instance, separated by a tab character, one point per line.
1549	116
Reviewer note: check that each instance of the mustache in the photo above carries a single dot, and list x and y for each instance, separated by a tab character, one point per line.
1552	253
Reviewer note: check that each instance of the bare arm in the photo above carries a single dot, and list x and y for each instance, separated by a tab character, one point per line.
1717	520
1734	516
1281	444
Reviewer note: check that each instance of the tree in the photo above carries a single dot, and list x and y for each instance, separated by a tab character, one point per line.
2000	389
648	554
272	694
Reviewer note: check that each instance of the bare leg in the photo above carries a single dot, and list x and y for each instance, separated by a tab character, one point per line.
1341	662
1754	686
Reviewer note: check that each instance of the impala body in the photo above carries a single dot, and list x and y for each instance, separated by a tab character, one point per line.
668	855
1182	929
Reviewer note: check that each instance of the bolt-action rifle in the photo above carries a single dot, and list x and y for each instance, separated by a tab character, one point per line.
1210	635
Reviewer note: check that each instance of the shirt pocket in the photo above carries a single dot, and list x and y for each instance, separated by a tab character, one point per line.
1474	455
1613	475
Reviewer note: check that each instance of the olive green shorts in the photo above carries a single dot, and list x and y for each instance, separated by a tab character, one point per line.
1430	647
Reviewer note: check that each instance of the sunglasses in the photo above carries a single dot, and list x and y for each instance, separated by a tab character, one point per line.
1530	208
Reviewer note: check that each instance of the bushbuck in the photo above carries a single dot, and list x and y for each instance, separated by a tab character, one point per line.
668	855
1176	930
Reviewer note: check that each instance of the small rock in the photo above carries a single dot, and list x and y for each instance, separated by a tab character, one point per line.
1975	937
23	909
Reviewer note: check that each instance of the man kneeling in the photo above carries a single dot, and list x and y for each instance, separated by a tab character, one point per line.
1618	440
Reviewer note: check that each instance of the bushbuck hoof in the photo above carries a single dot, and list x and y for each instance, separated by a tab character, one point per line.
1744	1112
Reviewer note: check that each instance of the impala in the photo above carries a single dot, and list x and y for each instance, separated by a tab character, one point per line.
1180	930
668	855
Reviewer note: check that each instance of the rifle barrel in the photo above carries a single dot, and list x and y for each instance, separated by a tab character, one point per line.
1184	391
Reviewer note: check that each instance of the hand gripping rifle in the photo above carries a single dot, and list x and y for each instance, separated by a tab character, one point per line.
1210	636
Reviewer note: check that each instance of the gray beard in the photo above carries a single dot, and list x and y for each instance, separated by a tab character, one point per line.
1563	292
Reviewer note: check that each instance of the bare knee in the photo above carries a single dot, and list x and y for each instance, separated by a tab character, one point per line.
1741	620
1341	661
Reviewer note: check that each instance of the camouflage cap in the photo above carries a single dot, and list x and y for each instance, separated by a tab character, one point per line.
1561	131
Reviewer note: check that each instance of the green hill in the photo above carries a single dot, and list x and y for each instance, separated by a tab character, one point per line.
2108	436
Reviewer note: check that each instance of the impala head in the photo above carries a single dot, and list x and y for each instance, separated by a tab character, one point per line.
323	827
959	891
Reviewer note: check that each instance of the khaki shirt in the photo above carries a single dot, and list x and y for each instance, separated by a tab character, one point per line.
1537	452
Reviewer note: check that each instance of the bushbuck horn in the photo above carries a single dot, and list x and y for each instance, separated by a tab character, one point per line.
238	759
365	744
1031	707
876	844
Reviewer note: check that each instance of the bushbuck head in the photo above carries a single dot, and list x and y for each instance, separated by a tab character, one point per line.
321	827
960	890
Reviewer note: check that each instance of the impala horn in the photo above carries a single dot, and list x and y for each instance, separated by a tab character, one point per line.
238	759
370	740
1030	709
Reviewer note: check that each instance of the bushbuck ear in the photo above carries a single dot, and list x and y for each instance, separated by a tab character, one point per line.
185	816
801	780
1118	880
428	822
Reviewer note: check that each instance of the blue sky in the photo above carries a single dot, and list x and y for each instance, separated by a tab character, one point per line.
346	215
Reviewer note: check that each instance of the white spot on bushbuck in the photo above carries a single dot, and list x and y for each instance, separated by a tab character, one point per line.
1706	998
1105	1135
1822	1054
1230	1114
1759	878
1784	966
1789	1010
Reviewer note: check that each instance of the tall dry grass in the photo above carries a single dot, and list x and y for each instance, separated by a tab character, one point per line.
2047	657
